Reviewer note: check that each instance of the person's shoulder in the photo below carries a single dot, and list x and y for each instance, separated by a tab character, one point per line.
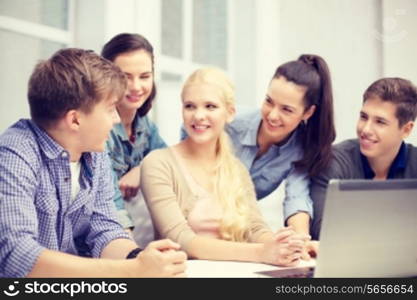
345	156
411	149
244	117
115	134
20	142
160	163
157	156
18	130
412	159
242	121
19	137
147	123
347	150
347	145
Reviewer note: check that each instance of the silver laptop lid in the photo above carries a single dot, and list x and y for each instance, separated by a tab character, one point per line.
369	229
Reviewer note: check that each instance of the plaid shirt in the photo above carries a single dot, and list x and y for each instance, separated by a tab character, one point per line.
36	211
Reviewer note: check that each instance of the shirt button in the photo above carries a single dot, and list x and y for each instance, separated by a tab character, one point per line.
64	155
66	179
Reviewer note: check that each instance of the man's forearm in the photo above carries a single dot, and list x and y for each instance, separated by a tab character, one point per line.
52	263
118	249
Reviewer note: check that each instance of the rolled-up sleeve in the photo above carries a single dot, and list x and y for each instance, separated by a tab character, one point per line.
19	249
297	194
104	226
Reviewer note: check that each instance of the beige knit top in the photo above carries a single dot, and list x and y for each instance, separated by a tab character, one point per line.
170	198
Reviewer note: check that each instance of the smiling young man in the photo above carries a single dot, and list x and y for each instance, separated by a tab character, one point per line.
387	117
56	208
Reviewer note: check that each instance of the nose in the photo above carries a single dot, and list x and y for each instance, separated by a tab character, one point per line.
273	115
135	84
367	127
199	114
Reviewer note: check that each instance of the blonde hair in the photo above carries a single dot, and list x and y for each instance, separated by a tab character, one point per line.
230	189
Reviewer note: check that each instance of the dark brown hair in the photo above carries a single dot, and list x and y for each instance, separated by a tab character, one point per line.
127	42
71	79
400	92
318	134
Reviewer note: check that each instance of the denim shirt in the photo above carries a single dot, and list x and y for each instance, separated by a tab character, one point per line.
126	155
36	210
269	170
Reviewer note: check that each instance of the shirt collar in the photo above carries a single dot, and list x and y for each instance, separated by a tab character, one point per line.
52	149
138	125
47	144
397	165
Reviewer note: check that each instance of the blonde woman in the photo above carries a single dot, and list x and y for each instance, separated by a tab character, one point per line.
198	192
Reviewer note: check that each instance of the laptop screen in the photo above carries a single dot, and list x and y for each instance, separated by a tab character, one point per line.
369	229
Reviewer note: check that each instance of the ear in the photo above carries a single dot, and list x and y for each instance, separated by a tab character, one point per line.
231	112
407	128
72	119
309	113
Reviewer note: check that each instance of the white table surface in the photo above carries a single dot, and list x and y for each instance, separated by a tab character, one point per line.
211	268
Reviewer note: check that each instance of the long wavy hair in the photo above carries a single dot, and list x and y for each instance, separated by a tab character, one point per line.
232	193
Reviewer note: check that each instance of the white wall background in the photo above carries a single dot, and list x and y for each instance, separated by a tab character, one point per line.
361	41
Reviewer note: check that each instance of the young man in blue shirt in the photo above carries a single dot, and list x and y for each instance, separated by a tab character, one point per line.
379	153
56	187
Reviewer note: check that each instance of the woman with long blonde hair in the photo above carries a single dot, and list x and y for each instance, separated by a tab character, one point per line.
201	196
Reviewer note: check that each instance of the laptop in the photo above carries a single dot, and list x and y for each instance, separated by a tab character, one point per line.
369	229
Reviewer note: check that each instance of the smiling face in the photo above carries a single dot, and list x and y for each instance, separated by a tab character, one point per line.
137	65
204	112
378	129
283	109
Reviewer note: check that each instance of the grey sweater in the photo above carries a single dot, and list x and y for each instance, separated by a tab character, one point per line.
347	164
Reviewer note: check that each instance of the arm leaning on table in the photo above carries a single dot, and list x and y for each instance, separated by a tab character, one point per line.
129	182
164	192
298	206
24	223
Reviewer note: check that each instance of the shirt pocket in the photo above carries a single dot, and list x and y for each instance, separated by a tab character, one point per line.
268	181
46	203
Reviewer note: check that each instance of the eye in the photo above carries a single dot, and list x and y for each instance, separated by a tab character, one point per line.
211	106
188	106
269	100
145	76
363	117
287	109
381	122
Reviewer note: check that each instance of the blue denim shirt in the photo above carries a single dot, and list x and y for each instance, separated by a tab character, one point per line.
126	155
36	210
269	170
